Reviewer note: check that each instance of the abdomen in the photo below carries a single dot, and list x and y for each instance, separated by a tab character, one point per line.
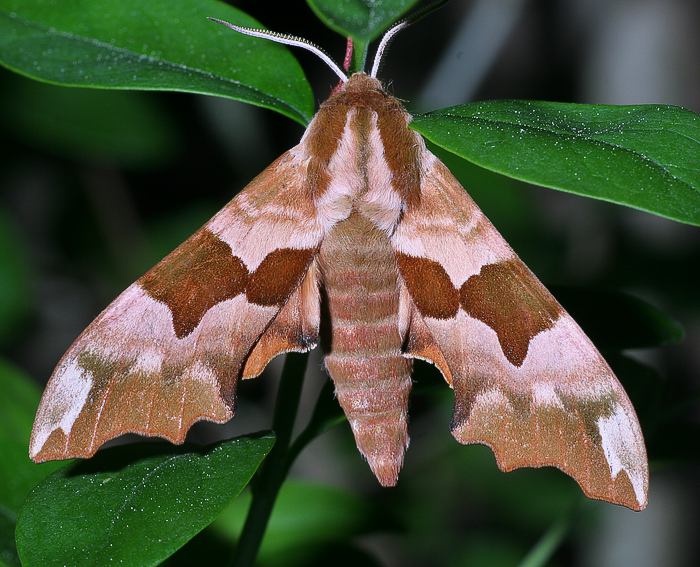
363	344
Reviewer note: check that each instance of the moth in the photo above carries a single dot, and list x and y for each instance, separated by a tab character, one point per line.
361	226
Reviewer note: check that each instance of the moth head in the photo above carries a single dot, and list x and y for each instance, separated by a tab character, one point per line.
308	45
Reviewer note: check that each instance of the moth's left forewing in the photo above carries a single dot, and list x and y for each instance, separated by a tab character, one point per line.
528	382
170	349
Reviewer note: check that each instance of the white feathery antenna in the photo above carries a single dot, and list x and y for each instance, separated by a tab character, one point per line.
287	40
397	27
388	36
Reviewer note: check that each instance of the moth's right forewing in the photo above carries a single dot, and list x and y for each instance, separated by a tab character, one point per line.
528	382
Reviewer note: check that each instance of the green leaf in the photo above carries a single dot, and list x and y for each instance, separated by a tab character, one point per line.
126	128
305	516
360	19
617	321
133	509
645	157
363	20
156	45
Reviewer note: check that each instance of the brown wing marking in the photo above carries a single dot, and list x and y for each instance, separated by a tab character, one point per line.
419	342
294	329
170	349
505	297
528	382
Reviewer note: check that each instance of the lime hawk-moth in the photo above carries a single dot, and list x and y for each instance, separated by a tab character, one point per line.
360	222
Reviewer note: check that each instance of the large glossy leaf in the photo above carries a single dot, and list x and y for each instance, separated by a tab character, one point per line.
644	157
155	45
125	128
363	20
133	509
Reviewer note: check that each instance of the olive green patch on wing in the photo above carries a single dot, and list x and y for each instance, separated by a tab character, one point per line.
196	276
508	299
430	287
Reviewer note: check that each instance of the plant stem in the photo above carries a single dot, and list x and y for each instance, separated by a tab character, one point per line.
548	544
267	483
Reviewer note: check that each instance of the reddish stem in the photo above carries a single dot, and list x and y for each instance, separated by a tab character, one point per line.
348	55
346	65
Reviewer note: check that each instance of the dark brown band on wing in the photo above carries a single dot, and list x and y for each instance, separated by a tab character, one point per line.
203	272
277	276
430	287
508	298
195	277
504	295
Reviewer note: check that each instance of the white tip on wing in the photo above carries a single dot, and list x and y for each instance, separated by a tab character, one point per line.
61	405
621	447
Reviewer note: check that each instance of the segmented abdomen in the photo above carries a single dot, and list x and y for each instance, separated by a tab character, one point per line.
363	346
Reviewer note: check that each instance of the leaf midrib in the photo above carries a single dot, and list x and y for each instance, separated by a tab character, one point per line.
568	134
180	67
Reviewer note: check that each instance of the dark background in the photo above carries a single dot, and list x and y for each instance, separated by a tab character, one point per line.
92	194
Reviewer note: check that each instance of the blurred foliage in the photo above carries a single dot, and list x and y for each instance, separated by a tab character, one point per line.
631	322
122	128
306	517
16	295
99	185
18	475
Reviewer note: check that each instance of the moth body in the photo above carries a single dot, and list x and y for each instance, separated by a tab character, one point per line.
359	275
364	348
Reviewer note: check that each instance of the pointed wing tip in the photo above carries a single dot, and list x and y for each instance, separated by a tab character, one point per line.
626	496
